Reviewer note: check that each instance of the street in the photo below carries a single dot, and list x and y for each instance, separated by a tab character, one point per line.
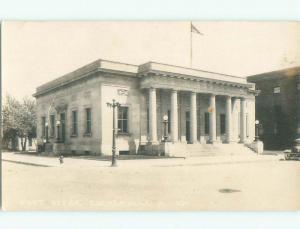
250	182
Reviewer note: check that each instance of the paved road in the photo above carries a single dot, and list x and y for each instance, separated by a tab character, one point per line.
233	183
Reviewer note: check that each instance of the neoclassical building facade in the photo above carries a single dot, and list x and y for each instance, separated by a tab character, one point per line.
202	108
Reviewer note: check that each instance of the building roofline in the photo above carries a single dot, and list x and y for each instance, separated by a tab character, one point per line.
84	71
102	65
190	72
196	69
292	71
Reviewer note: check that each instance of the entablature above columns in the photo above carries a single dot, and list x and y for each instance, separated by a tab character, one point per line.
197	86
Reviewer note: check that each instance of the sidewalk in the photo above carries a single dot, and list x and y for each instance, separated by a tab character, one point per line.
82	162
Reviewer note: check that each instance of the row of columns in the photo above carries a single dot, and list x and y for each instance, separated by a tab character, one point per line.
193	118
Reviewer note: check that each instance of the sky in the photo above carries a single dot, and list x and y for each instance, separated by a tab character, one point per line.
34	53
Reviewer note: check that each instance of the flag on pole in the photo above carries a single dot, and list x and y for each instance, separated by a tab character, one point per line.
195	30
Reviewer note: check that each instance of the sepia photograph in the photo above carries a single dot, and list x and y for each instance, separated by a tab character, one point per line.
150	116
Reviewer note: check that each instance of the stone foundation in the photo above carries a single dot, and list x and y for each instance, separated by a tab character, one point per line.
167	149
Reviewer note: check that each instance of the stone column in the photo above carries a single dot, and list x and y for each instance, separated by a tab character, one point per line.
235	131
193	118
212	119
152	116
243	120
228	119
174	116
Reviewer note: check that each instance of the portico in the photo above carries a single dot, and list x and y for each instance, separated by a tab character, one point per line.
195	134
201	111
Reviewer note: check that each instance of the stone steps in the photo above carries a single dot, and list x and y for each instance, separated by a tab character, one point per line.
194	150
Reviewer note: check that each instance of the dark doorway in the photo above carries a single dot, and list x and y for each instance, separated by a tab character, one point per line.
222	123
63	127
187	126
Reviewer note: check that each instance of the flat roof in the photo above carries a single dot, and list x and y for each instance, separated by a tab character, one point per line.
133	71
286	72
86	70
172	69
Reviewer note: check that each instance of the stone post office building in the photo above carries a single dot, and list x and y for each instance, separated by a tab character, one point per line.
202	108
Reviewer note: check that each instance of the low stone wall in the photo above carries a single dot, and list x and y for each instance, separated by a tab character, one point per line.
256	146
151	150
167	149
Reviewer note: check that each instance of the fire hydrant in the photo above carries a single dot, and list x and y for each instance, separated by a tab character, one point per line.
61	159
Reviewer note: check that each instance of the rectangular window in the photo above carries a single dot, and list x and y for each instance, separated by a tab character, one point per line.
43	126
222	123
52	125
88	125
276	90
30	142
169	121
74	123
123	120
206	121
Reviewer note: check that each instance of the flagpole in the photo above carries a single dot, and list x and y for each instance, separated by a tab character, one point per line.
193	30
191	43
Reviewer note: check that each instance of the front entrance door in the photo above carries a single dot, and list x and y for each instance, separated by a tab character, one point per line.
187	126
63	127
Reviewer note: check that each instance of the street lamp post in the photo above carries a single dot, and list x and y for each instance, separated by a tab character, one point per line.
165	121
113	105
256	130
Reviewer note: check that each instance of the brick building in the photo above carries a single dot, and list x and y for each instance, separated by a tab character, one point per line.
278	106
202	108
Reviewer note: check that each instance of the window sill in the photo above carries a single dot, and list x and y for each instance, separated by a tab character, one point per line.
74	136
87	135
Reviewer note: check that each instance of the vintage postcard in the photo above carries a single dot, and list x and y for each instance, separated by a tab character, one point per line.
150	116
